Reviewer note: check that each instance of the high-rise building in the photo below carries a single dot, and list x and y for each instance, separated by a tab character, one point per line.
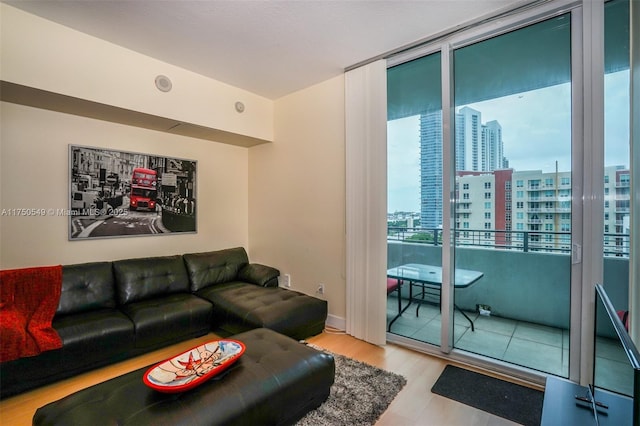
478	148
469	140
492	146
431	170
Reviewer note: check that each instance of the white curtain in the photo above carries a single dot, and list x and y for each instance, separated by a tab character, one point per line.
366	204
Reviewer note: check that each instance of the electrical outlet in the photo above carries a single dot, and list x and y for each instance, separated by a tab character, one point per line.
320	289
285	281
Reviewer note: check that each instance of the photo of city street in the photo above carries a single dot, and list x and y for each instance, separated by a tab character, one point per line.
119	194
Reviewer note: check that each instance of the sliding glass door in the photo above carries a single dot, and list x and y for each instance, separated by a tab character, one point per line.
514	186
504	159
617	173
414	146
486	189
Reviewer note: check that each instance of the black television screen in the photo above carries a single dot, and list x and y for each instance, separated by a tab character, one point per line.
616	364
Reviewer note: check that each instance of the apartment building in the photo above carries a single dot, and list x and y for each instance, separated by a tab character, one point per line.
531	210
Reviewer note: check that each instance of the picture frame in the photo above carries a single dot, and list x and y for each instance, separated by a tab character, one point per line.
116	193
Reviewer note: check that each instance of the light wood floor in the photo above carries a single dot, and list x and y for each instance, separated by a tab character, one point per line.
414	405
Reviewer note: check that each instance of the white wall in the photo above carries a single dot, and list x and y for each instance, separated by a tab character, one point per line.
48	56
34	173
297	192
283	201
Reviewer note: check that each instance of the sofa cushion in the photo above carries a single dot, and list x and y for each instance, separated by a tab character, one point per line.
86	287
92	337
169	319
215	267
140	279
90	340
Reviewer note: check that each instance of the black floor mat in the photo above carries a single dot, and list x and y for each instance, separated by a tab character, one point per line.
507	400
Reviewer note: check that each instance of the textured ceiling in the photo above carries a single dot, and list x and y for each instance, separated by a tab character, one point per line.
271	48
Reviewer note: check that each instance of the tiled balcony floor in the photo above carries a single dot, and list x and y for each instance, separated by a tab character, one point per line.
526	344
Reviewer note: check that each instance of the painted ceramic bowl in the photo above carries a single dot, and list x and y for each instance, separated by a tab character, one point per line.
193	367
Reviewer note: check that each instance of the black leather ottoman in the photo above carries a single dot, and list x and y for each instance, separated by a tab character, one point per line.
275	382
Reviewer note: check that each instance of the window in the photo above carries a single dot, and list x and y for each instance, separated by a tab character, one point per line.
624	179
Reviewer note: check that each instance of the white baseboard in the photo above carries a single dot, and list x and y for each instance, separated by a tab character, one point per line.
336	322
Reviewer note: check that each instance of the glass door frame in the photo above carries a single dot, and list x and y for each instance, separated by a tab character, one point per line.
587	125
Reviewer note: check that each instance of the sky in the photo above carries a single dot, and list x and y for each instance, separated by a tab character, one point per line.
536	132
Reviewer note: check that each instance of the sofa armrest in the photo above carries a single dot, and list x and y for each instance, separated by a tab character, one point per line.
258	274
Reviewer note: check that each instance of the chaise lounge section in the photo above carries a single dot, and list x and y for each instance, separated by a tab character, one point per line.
221	278
110	311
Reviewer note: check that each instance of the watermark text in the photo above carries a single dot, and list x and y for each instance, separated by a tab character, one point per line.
28	212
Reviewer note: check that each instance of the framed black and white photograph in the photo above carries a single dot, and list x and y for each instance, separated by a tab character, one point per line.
125	194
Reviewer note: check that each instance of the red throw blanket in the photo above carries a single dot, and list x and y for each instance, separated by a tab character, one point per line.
29	298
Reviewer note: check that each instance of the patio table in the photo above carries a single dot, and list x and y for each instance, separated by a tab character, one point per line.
430	277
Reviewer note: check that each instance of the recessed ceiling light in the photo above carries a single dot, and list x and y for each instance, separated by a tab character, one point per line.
163	83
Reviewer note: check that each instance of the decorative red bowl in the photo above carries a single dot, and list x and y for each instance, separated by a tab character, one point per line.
193	367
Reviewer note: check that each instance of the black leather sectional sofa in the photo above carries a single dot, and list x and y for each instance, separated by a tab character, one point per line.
110	311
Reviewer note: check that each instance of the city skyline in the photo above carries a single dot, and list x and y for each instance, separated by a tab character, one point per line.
527	145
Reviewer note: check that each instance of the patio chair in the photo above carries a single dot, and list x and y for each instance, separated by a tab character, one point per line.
394	284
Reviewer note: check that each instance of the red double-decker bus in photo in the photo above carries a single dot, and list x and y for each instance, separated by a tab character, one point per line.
144	189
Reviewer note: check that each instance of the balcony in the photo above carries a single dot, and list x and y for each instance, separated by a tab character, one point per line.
526	283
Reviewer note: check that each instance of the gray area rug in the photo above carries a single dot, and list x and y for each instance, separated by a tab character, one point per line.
359	395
